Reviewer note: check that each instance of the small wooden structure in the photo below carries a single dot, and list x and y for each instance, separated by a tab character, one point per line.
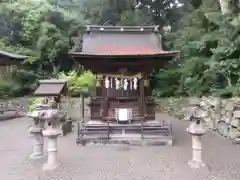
53	90
124	57
51	87
8	64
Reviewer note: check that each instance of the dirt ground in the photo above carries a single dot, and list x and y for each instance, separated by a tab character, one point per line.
116	162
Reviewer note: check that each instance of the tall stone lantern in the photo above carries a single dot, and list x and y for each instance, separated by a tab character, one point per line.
197	130
51	89
36	130
51	132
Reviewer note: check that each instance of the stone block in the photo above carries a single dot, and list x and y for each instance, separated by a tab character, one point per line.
222	128
230	105
227	120
235	122
236	114
233	133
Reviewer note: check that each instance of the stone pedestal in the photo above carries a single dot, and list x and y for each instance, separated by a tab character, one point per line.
196	161
36	131
51	134
38	151
197	132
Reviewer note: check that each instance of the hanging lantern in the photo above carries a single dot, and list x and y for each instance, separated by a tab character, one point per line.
135	85
125	85
111	82
117	83
107	83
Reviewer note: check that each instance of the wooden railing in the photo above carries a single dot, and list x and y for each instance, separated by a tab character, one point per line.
104	131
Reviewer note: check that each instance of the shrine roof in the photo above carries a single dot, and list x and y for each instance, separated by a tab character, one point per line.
12	55
50	87
121	41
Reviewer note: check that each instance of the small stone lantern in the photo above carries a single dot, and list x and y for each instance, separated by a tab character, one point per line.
197	130
36	130
52	132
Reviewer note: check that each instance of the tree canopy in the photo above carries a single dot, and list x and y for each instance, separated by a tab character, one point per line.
206	32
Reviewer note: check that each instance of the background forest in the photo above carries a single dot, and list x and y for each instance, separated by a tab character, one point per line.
207	32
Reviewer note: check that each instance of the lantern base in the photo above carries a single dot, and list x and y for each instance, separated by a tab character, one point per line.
50	167
196	164
36	156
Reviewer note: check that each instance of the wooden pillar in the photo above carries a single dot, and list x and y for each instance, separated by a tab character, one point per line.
104	100
82	106
142	99
145	94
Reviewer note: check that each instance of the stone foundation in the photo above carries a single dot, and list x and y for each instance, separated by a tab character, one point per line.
222	113
130	139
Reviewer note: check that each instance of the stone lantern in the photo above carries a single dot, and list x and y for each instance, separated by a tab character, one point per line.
52	132
197	130
36	130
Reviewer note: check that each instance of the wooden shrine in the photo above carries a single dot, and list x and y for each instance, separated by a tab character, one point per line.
53	91
9	63
122	57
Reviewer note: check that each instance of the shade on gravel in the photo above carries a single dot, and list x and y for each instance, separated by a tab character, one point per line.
116	162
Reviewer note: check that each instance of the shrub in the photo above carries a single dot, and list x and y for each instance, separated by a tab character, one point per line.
33	102
9	88
79	83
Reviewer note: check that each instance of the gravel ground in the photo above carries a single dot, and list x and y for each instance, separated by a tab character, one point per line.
116	162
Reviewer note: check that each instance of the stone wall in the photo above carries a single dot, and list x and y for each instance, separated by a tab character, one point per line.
223	115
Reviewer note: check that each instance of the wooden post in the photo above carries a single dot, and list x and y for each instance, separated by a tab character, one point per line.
103	103
82	102
141	104
142	98
102	99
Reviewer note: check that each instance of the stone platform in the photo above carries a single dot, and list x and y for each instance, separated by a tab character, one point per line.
119	162
131	139
155	132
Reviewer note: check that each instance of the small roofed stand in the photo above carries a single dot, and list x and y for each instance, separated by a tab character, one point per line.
9	63
51	90
122	58
51	112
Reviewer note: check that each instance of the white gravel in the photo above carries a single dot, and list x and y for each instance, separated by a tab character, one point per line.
116	162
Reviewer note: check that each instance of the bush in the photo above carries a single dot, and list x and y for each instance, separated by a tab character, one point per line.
33	102
79	83
9	88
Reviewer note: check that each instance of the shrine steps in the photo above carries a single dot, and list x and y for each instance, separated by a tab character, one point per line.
130	139
146	133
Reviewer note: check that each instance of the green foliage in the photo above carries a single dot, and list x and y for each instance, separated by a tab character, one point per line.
209	62
171	82
40	29
8	88
79	83
33	102
134	18
210	52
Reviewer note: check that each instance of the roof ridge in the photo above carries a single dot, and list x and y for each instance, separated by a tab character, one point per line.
90	28
12	55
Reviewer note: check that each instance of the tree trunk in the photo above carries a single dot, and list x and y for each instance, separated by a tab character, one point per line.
225	6
55	68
